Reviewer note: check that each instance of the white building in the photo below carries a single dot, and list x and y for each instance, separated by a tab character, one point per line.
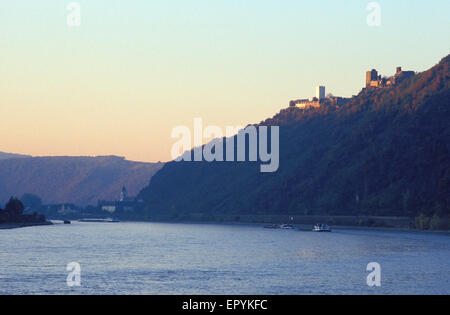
320	92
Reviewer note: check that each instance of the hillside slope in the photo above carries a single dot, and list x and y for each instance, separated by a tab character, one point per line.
384	153
78	180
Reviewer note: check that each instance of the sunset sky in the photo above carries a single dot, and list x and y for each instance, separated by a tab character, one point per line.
133	70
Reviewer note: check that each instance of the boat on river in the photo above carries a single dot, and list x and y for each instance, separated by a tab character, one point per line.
279	226
99	220
322	228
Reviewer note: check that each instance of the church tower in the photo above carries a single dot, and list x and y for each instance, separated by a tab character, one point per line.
123	194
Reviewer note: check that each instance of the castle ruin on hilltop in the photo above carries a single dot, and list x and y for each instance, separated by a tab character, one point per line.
373	79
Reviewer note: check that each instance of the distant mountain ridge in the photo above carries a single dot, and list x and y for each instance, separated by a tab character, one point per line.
79	180
385	153
4	156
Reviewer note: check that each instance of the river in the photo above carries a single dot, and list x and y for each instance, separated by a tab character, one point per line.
156	258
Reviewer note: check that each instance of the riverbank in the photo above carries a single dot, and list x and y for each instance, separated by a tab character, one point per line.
8	226
355	221
304	223
301	227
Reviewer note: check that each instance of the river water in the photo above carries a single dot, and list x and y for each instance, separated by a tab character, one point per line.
154	258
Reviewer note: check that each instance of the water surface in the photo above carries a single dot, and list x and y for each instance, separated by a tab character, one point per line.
150	258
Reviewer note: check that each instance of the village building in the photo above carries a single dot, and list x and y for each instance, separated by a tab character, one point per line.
124	204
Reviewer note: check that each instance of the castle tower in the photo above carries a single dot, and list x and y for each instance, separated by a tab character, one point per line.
320	92
371	76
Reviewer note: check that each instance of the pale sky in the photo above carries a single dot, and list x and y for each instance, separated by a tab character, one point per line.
133	70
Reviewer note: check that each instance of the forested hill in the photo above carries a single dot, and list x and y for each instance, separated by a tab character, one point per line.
385	153
78	180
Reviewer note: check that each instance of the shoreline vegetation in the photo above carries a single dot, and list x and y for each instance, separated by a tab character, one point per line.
13	216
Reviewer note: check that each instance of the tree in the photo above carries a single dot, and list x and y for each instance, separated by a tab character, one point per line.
14	208
3	216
